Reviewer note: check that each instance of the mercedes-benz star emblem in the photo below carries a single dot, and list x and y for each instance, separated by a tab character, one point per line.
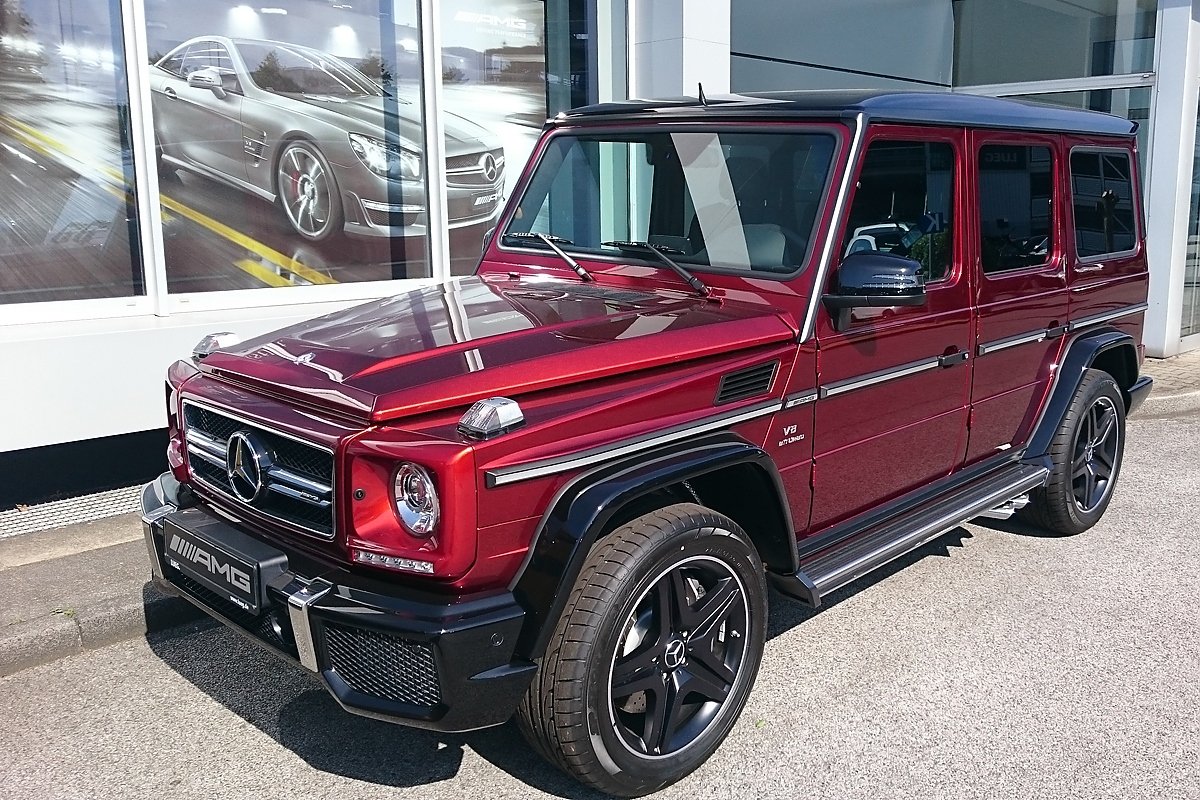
488	165
673	657
246	465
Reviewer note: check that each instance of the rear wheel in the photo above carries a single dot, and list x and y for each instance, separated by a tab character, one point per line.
1086	451
654	656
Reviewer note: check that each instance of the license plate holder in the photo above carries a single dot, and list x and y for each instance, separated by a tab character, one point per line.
221	558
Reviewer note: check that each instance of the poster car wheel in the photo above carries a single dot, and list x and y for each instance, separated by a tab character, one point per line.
308	191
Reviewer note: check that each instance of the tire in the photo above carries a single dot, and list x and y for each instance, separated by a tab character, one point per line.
308	191
1087	452
638	618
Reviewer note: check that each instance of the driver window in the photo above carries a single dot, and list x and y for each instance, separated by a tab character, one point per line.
901	183
1016	189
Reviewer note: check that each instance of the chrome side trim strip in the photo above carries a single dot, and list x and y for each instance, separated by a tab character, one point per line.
997	345
831	240
298	605
841	387
801	399
502	476
1096	319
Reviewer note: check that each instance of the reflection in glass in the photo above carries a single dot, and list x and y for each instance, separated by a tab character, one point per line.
66	171
289	142
494	75
1190	322
740	201
1008	41
1132	104
1016	195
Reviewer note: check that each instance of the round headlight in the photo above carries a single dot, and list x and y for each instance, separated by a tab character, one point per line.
416	499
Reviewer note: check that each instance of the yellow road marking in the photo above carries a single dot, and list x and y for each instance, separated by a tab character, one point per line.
40	141
262	273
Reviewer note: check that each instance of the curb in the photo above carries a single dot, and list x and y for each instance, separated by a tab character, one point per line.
1169	404
45	639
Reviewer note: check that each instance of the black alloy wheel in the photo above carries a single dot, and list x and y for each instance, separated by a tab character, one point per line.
1095	455
655	654
679	657
1086	451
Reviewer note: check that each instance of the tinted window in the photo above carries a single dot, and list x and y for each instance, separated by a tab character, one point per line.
1102	189
900	184
1016	194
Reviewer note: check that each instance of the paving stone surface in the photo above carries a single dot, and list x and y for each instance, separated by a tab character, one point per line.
1175	375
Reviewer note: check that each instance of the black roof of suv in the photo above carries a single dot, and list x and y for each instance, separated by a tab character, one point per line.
920	108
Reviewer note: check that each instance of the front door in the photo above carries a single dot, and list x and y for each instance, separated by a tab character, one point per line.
895	382
194	123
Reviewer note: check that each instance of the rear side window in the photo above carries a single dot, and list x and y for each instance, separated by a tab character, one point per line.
1016	198
1102	190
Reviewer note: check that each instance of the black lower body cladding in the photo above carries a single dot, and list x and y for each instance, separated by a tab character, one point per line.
381	651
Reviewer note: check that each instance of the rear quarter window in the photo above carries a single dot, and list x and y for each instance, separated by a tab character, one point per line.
1102	199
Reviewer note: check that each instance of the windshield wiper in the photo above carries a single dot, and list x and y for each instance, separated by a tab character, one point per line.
661	251
551	241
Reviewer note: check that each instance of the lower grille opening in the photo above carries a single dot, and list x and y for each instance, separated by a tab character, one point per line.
271	626
383	666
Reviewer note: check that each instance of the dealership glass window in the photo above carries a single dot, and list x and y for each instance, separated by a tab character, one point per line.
1016	193
1133	104
289	142
1011	41
494	85
66	169
1190	321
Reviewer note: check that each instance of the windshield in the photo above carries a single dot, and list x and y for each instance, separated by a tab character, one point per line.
291	70
743	201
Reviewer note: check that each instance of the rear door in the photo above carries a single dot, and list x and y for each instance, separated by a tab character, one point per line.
1020	261
894	383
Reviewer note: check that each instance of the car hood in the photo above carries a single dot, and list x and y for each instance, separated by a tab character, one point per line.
402	117
450	344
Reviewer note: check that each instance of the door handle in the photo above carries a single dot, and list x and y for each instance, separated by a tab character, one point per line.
950	359
1057	331
1090	268
169	92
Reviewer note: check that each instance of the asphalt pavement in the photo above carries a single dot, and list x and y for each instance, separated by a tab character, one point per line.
992	663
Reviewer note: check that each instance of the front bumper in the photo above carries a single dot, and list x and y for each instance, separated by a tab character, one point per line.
381	651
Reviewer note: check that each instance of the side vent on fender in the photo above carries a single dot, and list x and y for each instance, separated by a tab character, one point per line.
746	382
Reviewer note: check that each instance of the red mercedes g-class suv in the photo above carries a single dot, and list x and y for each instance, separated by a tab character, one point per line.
712	345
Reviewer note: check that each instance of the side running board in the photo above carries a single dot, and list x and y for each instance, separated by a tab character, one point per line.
831	569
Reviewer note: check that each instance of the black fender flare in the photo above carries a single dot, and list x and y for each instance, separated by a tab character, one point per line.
1081	353
585	506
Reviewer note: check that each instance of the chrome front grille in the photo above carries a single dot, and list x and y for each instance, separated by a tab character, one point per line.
474	169
283	478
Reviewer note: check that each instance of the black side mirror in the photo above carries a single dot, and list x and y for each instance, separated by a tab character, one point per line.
872	279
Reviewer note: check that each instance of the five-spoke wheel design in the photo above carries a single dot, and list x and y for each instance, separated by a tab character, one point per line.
307	191
1086	455
678	657
655	653
1097	441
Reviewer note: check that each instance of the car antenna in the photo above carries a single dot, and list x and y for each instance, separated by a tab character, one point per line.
703	99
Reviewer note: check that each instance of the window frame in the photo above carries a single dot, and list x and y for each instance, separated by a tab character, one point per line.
1138	233
1055	255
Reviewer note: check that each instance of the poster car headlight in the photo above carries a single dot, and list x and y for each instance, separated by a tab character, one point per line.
387	160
